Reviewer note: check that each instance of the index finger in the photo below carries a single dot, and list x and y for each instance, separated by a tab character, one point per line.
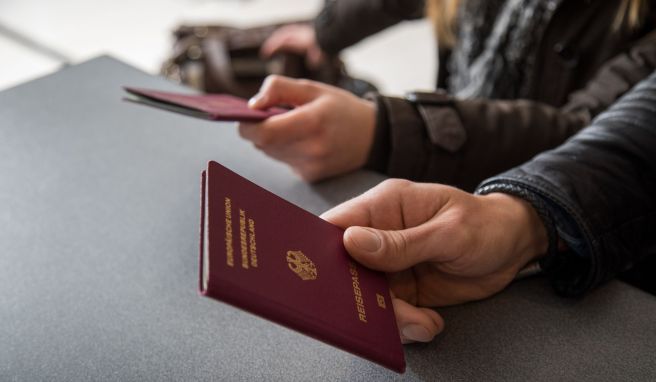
279	129
394	204
379	207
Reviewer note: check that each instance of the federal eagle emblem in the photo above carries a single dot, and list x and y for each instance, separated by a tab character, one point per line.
301	265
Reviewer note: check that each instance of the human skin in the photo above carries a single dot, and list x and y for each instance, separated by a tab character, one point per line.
439	246
294	38
329	132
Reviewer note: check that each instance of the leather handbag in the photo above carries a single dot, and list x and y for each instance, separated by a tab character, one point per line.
223	59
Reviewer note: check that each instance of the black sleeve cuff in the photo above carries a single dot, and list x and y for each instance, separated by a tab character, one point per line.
380	148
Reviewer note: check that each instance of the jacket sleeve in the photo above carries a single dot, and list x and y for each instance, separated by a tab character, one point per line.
603	181
343	23
432	137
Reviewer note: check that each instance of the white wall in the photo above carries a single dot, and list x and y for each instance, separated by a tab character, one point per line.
138	32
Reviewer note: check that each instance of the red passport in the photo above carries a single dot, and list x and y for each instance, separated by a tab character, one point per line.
271	258
216	107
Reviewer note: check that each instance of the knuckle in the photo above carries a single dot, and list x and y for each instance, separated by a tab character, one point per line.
458	227
398	242
309	85
332	101
387	192
303	172
394	183
458	217
308	176
273	78
305	82
311	171
271	81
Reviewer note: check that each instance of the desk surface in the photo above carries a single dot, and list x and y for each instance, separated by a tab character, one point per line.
99	212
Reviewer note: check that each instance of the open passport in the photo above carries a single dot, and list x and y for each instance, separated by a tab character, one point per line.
271	258
216	107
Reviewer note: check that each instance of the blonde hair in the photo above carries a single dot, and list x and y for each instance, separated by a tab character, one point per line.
631	14
442	13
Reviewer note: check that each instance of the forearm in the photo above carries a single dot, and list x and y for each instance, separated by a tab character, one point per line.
599	188
463	142
343	23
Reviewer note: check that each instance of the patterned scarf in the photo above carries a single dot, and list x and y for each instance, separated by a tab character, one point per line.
497	44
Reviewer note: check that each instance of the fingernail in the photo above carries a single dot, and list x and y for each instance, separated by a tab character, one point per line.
365	239
254	100
416	333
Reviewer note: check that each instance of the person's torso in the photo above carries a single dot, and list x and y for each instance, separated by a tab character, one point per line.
577	40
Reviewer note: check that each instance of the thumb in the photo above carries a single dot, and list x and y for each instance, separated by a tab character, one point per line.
388	251
278	90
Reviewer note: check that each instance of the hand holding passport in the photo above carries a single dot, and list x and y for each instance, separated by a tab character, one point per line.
269	257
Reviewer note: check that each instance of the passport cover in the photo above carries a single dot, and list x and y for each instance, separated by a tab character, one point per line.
216	107
271	258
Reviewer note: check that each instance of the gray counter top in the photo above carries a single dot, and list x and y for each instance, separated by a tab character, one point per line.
99	217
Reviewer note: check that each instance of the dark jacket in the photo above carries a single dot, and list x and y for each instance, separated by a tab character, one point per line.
597	192
585	66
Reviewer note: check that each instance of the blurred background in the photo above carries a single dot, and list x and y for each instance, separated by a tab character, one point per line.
38	37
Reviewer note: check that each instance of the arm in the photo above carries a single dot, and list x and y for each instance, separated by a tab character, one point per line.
599	189
441	246
346	22
433	137
340	25
461	142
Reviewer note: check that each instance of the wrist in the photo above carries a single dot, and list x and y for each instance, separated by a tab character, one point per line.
523	225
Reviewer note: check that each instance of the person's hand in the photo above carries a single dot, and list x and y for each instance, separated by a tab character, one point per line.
294	38
439	245
330	131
